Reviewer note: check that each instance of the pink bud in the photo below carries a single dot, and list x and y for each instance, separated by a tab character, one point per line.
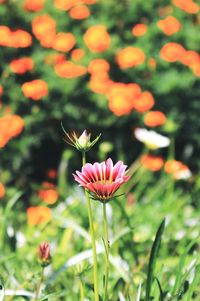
44	253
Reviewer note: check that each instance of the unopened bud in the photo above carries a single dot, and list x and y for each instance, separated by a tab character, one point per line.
82	142
44	254
84	139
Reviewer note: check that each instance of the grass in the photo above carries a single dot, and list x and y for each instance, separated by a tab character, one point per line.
138	271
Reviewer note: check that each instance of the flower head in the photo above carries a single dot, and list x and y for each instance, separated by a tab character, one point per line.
102	179
151	139
44	253
82	142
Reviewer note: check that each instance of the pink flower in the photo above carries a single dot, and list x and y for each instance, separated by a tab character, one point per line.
102	179
44	253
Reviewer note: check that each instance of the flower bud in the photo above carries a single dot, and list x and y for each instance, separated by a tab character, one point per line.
82	142
44	254
84	139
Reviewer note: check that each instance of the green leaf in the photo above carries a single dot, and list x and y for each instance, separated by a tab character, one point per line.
152	260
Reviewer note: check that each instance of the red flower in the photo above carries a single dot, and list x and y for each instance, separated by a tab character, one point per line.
102	179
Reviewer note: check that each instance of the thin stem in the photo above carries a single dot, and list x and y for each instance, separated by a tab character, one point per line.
81	290
107	252
39	285
94	252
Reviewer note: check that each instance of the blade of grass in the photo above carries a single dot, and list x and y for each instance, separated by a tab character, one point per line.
161	298
181	265
194	284
152	260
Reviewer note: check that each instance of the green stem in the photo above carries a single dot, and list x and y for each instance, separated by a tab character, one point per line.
39	285
107	252
81	290
94	252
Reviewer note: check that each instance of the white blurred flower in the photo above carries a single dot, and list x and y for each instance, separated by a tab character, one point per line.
151	139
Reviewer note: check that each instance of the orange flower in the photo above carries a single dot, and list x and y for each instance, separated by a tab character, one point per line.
190	58
130	57
170	25
98	66
79	12
54	58
34	5
5	35
121	98
196	69
153	163
152	63
154	118
2	190
139	30
68	69
22	65
100	83
64	41
44	27
63	4
77	54
1	90
38	215
15	125
177	169
49	196
172	52
10	126
20	39
97	38
187	5
35	89
144	102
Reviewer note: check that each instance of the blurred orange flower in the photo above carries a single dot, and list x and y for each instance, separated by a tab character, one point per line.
77	54
54	58
34	5
68	69
170	25
152	63
154	118
98	66
130	57
10	126
35	89
38	215
79	12
190	58
144	102
139	29
5	35
22	65
97	38
2	190
121	97
44	27
100	82
49	196
177	169
20	39
63	41
153	163
1	90
63	4
188	6
172	52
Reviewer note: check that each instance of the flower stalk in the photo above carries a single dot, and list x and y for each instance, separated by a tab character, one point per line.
107	247
94	252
